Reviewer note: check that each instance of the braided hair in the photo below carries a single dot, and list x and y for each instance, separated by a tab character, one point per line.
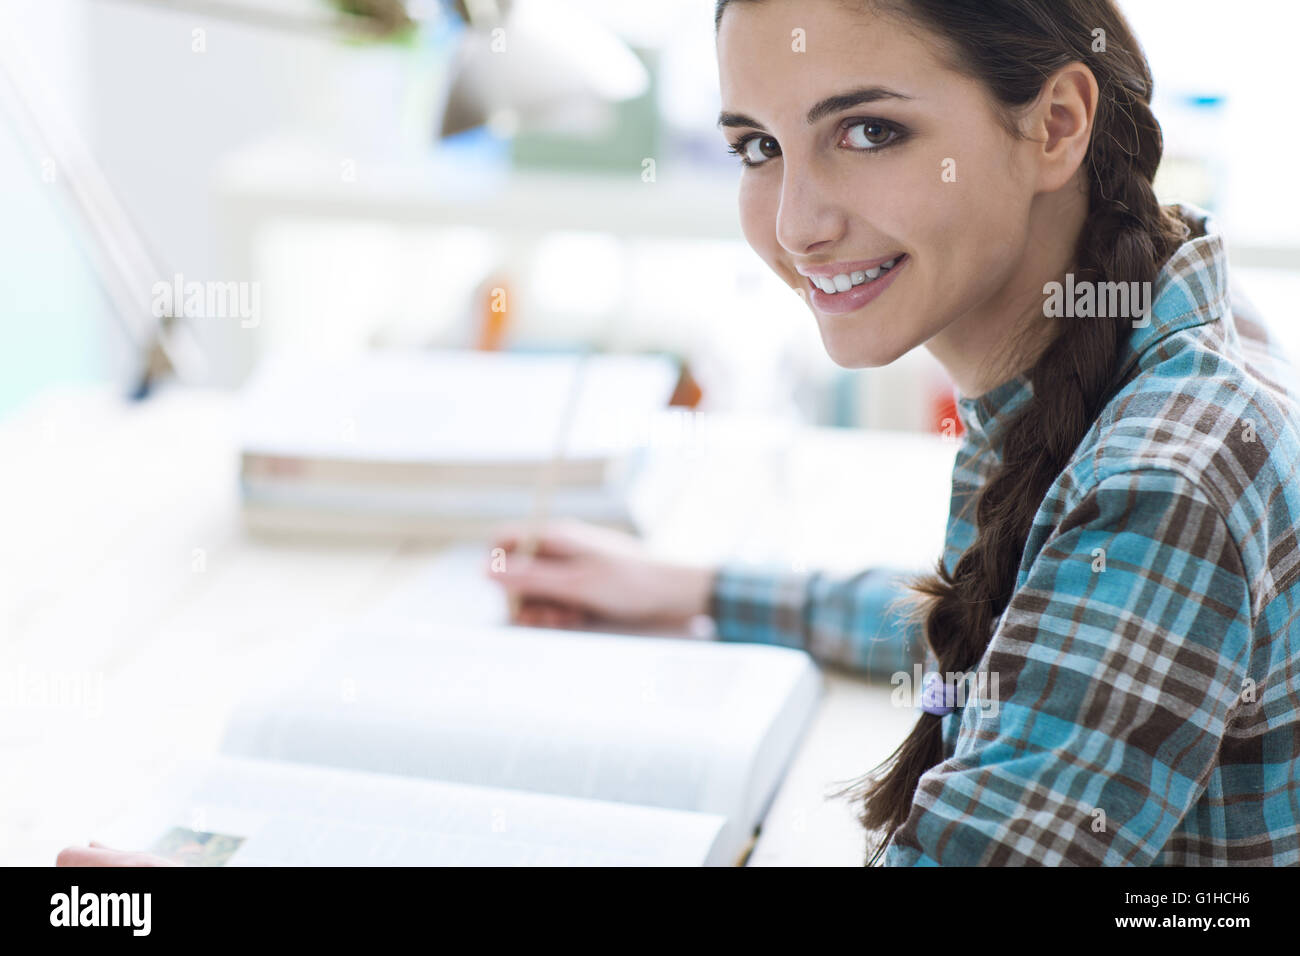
1012	46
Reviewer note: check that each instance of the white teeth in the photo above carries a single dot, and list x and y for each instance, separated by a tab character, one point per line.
832	285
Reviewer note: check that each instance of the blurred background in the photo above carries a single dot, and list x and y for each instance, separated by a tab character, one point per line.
369	175
349	266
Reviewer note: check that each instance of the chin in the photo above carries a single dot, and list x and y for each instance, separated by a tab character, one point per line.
850	348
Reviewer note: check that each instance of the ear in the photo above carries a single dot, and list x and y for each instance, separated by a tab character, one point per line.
1061	124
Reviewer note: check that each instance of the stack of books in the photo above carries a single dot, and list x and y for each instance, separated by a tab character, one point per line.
445	444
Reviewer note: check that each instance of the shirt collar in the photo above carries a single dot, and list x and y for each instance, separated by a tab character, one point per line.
1191	290
985	416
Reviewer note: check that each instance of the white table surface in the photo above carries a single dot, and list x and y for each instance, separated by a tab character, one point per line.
133	606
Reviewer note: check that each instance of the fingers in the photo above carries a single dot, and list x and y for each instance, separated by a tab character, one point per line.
558	538
547	579
558	585
70	856
540	594
99	855
549	572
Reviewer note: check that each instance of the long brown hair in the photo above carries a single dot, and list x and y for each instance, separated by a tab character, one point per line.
1012	46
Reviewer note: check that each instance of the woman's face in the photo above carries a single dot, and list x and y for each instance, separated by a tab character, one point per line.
868	150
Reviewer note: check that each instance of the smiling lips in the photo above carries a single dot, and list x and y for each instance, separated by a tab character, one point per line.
833	282
845	287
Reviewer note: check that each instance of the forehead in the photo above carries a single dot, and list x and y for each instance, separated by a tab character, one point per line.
778	54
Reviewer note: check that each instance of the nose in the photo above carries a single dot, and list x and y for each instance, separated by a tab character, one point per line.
810	215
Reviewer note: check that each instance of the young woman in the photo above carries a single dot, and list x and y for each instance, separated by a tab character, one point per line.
1121	560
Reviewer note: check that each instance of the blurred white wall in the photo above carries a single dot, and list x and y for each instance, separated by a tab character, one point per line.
161	117
164	115
1245	50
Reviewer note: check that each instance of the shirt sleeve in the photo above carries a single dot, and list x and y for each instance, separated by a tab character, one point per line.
1106	689
856	621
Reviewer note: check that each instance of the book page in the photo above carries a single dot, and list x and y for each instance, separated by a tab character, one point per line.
660	722
227	811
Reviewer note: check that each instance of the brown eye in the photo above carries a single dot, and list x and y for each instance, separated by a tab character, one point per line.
870	134
759	149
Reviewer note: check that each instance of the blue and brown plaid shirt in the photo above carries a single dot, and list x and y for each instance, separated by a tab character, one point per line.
1140	699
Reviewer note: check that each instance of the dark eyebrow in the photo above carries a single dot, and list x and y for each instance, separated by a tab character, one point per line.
737	119
844	101
832	104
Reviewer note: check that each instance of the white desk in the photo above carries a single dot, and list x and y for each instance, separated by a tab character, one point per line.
133	605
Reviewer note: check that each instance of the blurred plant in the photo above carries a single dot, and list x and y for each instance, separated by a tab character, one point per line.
384	19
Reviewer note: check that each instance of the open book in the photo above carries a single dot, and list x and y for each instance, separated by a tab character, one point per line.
495	745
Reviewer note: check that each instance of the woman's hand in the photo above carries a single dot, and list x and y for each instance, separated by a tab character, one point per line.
99	855
582	574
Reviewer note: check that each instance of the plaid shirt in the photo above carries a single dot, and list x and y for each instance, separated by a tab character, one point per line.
1140	699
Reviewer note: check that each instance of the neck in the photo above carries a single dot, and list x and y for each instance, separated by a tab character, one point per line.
1006	334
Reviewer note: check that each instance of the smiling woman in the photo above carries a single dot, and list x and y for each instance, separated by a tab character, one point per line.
864	141
1121	554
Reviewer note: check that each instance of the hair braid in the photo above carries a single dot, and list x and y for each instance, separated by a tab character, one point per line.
1126	237
1012	46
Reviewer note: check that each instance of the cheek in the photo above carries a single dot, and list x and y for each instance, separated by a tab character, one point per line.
988	240
968	232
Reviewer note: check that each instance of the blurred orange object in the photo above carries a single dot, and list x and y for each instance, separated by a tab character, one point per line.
495	321
943	416
687	393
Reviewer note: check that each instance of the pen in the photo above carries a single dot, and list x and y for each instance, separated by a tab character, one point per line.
531	539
